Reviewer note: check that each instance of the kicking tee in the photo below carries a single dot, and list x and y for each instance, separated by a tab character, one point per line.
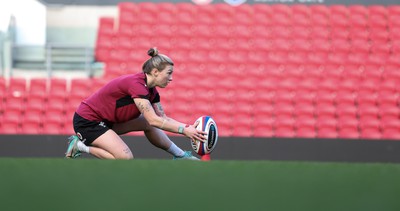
114	101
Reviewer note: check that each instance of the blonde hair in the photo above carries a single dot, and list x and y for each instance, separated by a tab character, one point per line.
158	61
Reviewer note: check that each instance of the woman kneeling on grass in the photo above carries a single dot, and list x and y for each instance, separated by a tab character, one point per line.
129	103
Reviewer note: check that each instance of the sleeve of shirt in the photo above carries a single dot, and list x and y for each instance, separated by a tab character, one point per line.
156	99
138	90
156	96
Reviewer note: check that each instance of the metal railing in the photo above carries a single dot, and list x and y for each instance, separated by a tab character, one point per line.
1	54
53	55
1	62
83	54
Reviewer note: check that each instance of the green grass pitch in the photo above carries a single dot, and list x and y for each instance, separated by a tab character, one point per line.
91	184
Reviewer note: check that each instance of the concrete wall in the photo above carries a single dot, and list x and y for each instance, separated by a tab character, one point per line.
76	24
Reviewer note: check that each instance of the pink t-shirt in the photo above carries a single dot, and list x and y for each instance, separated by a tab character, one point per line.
114	101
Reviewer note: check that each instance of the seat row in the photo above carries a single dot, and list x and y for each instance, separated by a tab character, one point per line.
280	110
182	11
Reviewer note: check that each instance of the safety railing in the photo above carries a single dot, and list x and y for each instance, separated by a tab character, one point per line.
53	57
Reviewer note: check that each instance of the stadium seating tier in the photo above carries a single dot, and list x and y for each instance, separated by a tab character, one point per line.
273	70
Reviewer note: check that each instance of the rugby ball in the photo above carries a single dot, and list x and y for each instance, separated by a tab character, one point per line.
208	125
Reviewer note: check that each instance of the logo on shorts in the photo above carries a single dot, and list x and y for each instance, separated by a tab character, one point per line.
80	137
102	124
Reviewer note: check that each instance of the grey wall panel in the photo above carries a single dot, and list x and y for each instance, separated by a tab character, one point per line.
227	149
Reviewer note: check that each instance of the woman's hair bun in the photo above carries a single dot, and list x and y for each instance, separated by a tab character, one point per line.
152	52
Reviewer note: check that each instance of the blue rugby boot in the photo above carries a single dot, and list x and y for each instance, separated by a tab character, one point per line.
187	156
73	151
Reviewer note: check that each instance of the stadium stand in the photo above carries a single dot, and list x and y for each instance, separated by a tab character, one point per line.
273	70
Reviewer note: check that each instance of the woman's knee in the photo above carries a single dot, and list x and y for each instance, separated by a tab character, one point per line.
114	145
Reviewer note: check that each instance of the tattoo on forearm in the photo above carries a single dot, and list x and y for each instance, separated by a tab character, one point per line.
160	109
144	107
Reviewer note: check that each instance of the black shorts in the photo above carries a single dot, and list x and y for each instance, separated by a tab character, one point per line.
87	130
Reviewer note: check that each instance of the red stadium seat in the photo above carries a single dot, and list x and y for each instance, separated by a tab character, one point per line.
15	97
301	15
53	129
389	112
263	126
11	122
305	93
339	9
17	85
81	85
345	98
97	83
393	9
185	18
370	128
106	25
284	110
58	85
319	14
56	103
325	97
10	128
166	17
3	83
224	122
106	31
55	119
357	22
338	20
357	58
388	96
377	21
284	127
348	127
327	127
244	14
126	11
381	48
306	126
321	47
360	43
372	73
325	110
358	9
304	110
368	111
378	10
31	128
390	129
38	85
346	111
366	97
393	19
337	59
67	128
243	128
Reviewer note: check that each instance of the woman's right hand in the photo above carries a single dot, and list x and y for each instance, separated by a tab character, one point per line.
193	134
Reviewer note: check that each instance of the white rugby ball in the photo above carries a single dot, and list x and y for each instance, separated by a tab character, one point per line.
208	125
